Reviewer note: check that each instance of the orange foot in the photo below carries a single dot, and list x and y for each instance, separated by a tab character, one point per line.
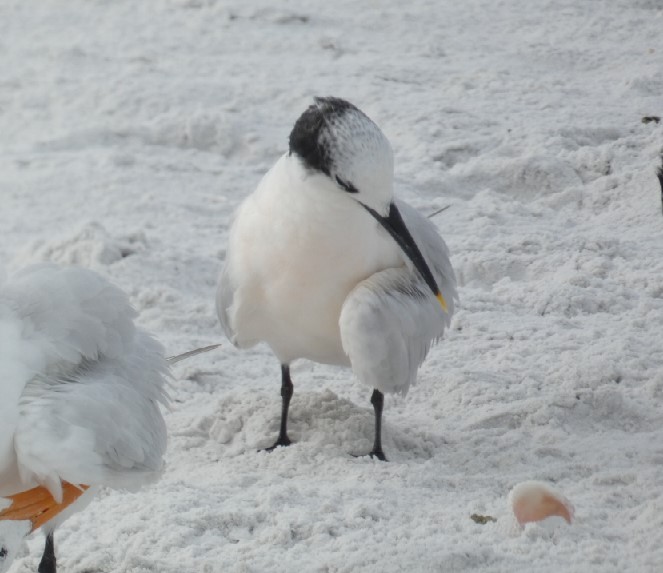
38	505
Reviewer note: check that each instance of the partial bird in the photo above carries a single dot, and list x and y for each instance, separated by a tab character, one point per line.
323	263
81	395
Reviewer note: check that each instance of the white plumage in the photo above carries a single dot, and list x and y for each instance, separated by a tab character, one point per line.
80	387
324	264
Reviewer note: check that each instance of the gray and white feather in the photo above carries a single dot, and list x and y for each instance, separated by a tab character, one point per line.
81	388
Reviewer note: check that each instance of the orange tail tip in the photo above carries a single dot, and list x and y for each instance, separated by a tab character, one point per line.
38	506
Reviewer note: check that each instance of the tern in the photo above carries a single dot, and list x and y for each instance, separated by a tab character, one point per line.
81	395
324	264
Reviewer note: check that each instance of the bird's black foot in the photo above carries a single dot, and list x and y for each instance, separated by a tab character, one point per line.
379	455
282	441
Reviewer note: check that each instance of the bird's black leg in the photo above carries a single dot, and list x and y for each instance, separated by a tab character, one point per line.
287	390
47	564
377	399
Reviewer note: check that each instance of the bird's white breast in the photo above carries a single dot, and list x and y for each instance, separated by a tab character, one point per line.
297	247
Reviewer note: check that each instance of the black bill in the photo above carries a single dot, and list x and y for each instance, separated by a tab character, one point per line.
395	226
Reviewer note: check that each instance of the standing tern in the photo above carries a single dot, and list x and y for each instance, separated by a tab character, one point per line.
323	263
80	395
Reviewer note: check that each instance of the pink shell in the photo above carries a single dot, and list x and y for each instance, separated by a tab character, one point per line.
535	501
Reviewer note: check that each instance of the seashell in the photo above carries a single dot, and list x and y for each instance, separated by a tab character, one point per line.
535	501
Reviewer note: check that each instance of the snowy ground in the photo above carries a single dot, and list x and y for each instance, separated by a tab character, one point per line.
129	131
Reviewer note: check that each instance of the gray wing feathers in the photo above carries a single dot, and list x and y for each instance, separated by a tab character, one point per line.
228	301
69	314
224	299
99	425
90	413
389	321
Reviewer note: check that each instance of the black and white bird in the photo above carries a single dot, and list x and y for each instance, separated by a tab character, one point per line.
81	391
323	263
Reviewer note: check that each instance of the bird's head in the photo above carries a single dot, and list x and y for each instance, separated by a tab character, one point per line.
336	139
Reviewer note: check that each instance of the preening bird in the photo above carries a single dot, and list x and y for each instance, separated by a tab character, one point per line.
323	263
81	391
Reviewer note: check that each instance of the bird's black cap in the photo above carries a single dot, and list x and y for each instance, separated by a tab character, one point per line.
305	137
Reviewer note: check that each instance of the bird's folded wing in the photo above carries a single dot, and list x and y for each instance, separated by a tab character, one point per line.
390	320
388	323
68	314
100	425
87	408
224	299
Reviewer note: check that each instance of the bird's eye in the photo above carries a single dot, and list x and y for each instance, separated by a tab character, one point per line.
3	552
349	187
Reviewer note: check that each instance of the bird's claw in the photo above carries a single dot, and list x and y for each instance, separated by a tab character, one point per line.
379	455
282	441
373	455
